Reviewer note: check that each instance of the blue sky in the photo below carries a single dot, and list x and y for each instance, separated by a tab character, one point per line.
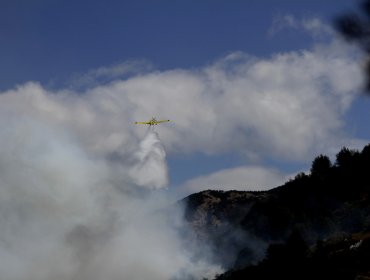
47	40
230	74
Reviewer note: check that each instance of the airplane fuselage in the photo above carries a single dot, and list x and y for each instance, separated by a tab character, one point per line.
153	121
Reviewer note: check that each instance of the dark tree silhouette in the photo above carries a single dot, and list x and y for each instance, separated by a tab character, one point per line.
365	153
355	27
321	166
346	157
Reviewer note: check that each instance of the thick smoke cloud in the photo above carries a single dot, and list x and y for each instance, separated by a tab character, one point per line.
64	215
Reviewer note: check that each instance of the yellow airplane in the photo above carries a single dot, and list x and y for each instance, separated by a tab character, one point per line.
153	121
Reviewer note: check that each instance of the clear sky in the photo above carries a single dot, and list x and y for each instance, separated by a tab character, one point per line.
255	89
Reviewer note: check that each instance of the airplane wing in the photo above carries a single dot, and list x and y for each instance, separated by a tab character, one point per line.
162	121
152	122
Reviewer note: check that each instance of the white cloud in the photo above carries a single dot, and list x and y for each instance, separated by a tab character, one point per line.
243	178
290	105
106	74
287	106
281	22
314	26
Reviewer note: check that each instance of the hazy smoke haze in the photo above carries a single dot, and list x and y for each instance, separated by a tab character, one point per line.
65	215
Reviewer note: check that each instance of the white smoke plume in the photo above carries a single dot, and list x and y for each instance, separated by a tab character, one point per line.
149	166
65	215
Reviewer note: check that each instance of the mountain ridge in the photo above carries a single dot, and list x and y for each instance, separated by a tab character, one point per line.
240	226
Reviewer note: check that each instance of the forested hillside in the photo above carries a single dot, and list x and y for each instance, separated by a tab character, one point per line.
251	232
